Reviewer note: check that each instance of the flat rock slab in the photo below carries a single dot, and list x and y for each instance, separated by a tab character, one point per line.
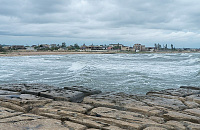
38	124
122	102
195	111
24	99
114	113
31	121
154	128
195	98
63	95
165	102
5	92
191	104
86	91
73	94
178	116
86	120
177	124
181	92
21	117
6	113
74	126
192	126
114	100
131	117
69	106
23	102
25	87
104	123
190	87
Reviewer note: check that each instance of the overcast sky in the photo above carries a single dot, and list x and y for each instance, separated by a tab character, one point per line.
100	22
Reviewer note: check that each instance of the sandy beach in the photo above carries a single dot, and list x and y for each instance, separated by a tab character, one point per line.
24	53
31	53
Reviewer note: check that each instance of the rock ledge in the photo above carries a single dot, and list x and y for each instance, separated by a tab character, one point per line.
39	106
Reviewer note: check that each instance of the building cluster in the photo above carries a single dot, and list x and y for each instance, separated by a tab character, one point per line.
111	47
63	47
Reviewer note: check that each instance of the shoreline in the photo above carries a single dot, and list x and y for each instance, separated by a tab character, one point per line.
31	53
22	53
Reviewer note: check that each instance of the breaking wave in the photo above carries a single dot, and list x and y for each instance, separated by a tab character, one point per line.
130	73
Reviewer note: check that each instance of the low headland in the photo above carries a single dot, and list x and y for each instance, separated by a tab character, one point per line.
40	106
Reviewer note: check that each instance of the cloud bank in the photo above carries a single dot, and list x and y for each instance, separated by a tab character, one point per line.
100	22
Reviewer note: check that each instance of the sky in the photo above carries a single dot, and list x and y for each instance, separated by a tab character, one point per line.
28	22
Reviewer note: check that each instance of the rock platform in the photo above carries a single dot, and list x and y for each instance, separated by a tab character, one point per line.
43	107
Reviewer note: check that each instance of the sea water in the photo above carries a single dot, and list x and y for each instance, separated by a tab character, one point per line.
129	73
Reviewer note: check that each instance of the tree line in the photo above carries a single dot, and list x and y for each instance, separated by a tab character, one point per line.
159	47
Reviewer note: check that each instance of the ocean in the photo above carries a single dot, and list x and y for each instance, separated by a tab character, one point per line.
129	73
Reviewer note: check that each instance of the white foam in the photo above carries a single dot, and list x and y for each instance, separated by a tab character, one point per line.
190	61
156	56
76	66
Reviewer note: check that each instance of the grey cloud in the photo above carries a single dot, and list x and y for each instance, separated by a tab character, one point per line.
112	20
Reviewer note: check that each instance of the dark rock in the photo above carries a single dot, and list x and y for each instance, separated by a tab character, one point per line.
73	94
181	92
5	92
190	87
13	87
77	98
64	95
86	91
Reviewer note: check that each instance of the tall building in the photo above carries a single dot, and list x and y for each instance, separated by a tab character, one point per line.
139	47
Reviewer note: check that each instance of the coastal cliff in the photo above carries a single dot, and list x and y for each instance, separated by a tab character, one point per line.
39	106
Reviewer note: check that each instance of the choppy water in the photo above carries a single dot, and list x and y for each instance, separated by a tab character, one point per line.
130	73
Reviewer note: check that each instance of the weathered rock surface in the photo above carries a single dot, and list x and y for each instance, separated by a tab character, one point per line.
38	106
72	94
38	124
181	92
165	102
176	124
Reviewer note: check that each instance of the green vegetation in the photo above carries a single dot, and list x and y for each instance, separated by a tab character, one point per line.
117	47
73	47
63	45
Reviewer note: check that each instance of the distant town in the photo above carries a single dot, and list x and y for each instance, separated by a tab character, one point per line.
95	48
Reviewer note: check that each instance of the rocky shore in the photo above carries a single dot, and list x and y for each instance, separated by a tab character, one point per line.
39	106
